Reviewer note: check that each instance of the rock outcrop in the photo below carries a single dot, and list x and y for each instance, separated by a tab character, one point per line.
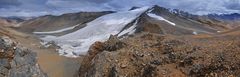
152	55
16	61
112	44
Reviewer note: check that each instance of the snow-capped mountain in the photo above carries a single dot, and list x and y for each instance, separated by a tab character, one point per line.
164	21
100	29
75	38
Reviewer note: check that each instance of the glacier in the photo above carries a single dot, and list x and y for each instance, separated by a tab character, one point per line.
100	29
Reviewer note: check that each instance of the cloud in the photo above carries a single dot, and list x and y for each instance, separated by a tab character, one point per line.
233	4
9	3
57	7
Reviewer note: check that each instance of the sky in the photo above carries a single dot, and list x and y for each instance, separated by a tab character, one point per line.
30	8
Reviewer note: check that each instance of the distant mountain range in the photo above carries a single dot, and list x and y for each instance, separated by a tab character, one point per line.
232	16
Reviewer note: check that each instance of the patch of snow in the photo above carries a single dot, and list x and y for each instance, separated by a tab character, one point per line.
45	44
48	37
64	48
100	29
149	11
57	31
195	33
160	18
218	31
130	30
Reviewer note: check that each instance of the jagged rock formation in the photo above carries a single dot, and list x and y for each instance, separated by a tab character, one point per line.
16	61
153	55
112	44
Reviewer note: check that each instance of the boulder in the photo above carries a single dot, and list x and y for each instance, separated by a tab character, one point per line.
18	62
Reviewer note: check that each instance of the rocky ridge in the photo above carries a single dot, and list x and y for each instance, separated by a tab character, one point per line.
16	61
153	55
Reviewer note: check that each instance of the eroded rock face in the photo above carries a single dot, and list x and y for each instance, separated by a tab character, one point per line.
17	62
150	55
112	44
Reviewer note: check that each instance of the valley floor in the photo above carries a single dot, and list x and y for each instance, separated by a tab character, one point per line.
48	59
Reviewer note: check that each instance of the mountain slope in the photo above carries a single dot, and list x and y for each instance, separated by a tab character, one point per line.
51	23
154	19
100	29
231	19
164	21
177	23
9	22
154	55
232	16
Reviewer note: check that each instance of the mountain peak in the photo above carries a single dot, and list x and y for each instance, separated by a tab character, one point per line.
134	7
158	7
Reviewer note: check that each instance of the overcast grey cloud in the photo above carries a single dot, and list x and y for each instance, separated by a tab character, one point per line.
9	3
233	4
57	7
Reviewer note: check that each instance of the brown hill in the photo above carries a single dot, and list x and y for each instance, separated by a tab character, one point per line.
51	23
8	22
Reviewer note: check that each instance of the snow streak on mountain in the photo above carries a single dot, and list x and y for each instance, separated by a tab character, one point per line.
100	29
160	18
